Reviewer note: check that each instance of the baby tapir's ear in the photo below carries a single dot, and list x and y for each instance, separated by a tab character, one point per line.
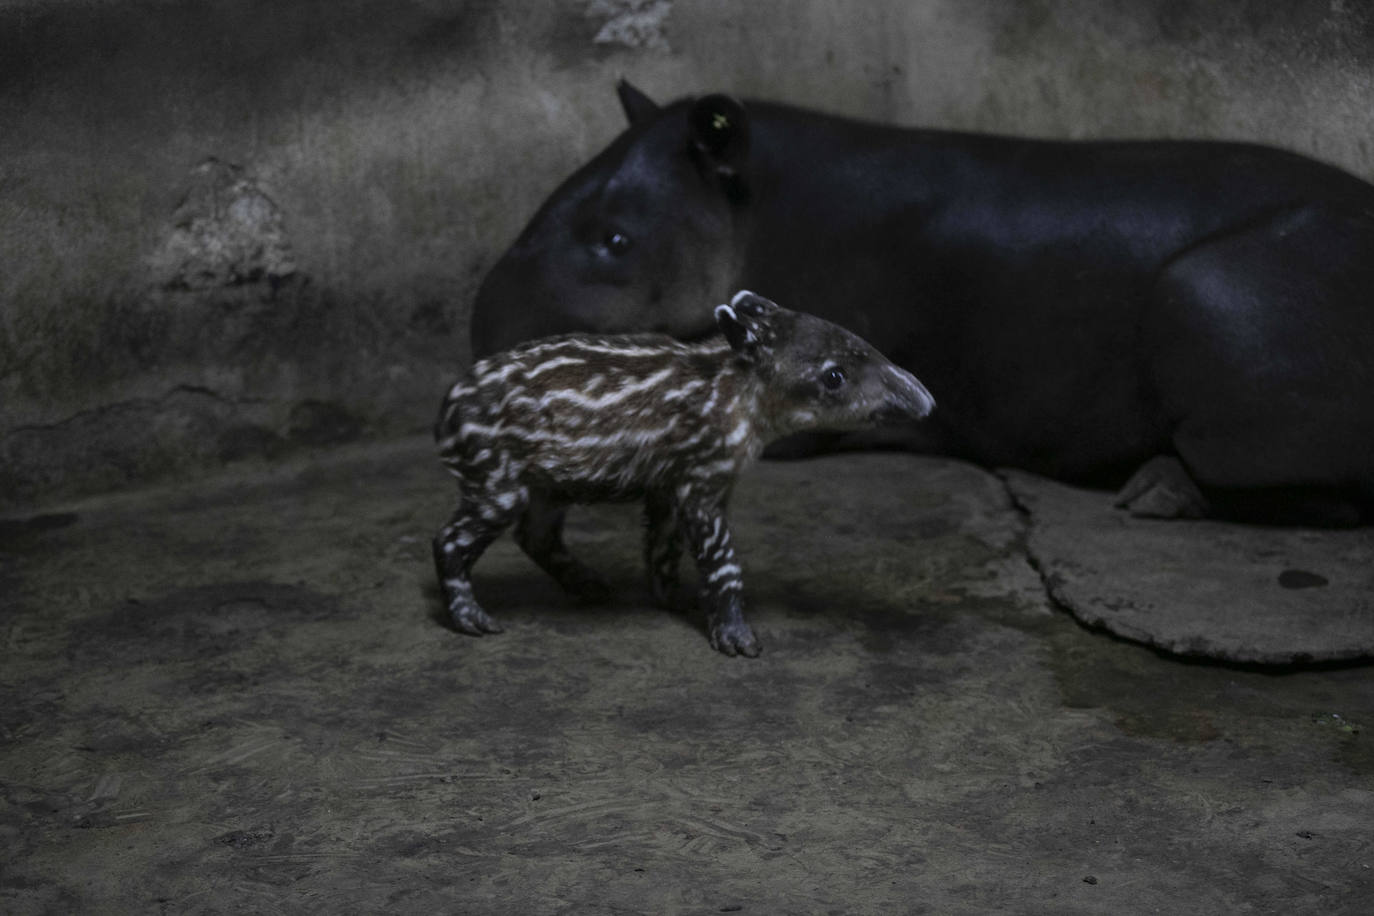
747	303
746	321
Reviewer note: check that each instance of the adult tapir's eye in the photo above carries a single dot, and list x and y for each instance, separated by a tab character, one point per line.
833	377
616	242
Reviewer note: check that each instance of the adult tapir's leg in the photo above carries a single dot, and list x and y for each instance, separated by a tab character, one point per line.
1260	346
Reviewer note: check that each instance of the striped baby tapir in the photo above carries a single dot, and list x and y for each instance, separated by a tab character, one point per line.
584	418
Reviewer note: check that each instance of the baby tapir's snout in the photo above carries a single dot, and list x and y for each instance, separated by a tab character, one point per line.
906	398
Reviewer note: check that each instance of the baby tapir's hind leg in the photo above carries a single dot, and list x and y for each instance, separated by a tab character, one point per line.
480	519
540	534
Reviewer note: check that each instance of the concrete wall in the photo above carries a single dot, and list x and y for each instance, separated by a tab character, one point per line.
231	229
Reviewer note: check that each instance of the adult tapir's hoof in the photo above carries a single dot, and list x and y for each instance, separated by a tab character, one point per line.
1162	488
735	638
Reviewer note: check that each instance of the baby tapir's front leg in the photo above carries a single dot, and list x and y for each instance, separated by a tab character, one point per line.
662	546
702	520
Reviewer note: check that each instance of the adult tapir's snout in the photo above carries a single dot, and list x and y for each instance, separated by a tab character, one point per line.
503	313
906	398
486	329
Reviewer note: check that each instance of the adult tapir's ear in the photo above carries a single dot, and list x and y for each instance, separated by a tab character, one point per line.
638	106
719	128
746	322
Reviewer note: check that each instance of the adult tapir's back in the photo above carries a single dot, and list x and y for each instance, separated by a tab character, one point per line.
1081	307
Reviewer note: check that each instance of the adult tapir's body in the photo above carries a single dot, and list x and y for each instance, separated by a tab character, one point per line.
1078	308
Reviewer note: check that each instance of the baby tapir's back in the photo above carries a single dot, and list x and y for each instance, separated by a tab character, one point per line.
588	415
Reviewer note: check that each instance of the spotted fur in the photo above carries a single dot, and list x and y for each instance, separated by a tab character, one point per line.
583	418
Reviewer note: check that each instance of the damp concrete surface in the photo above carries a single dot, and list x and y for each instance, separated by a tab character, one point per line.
242	696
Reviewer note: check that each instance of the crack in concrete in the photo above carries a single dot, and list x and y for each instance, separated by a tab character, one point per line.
1023	515
133	404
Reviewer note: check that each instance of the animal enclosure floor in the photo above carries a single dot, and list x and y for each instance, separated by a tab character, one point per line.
241	696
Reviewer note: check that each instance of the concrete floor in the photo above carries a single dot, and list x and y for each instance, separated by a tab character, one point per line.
240	696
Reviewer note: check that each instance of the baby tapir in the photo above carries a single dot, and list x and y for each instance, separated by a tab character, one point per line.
583	418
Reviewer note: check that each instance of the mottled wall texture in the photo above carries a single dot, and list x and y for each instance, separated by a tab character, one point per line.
234	228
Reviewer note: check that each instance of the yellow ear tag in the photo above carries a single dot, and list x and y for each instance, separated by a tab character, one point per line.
719	121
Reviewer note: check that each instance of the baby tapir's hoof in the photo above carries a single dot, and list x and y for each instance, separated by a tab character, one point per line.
735	638
472	620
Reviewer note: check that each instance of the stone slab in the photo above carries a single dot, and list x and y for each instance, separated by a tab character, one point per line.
1238	593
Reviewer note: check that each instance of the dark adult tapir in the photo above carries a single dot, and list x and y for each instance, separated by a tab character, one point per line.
1194	319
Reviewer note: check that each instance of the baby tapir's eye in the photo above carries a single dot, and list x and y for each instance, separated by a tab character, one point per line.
616	242
832	377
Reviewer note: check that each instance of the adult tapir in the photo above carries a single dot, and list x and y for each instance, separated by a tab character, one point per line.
1195	319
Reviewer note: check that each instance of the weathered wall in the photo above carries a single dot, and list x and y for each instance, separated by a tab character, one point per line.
228	229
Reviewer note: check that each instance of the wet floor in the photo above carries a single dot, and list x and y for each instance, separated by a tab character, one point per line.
242	696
